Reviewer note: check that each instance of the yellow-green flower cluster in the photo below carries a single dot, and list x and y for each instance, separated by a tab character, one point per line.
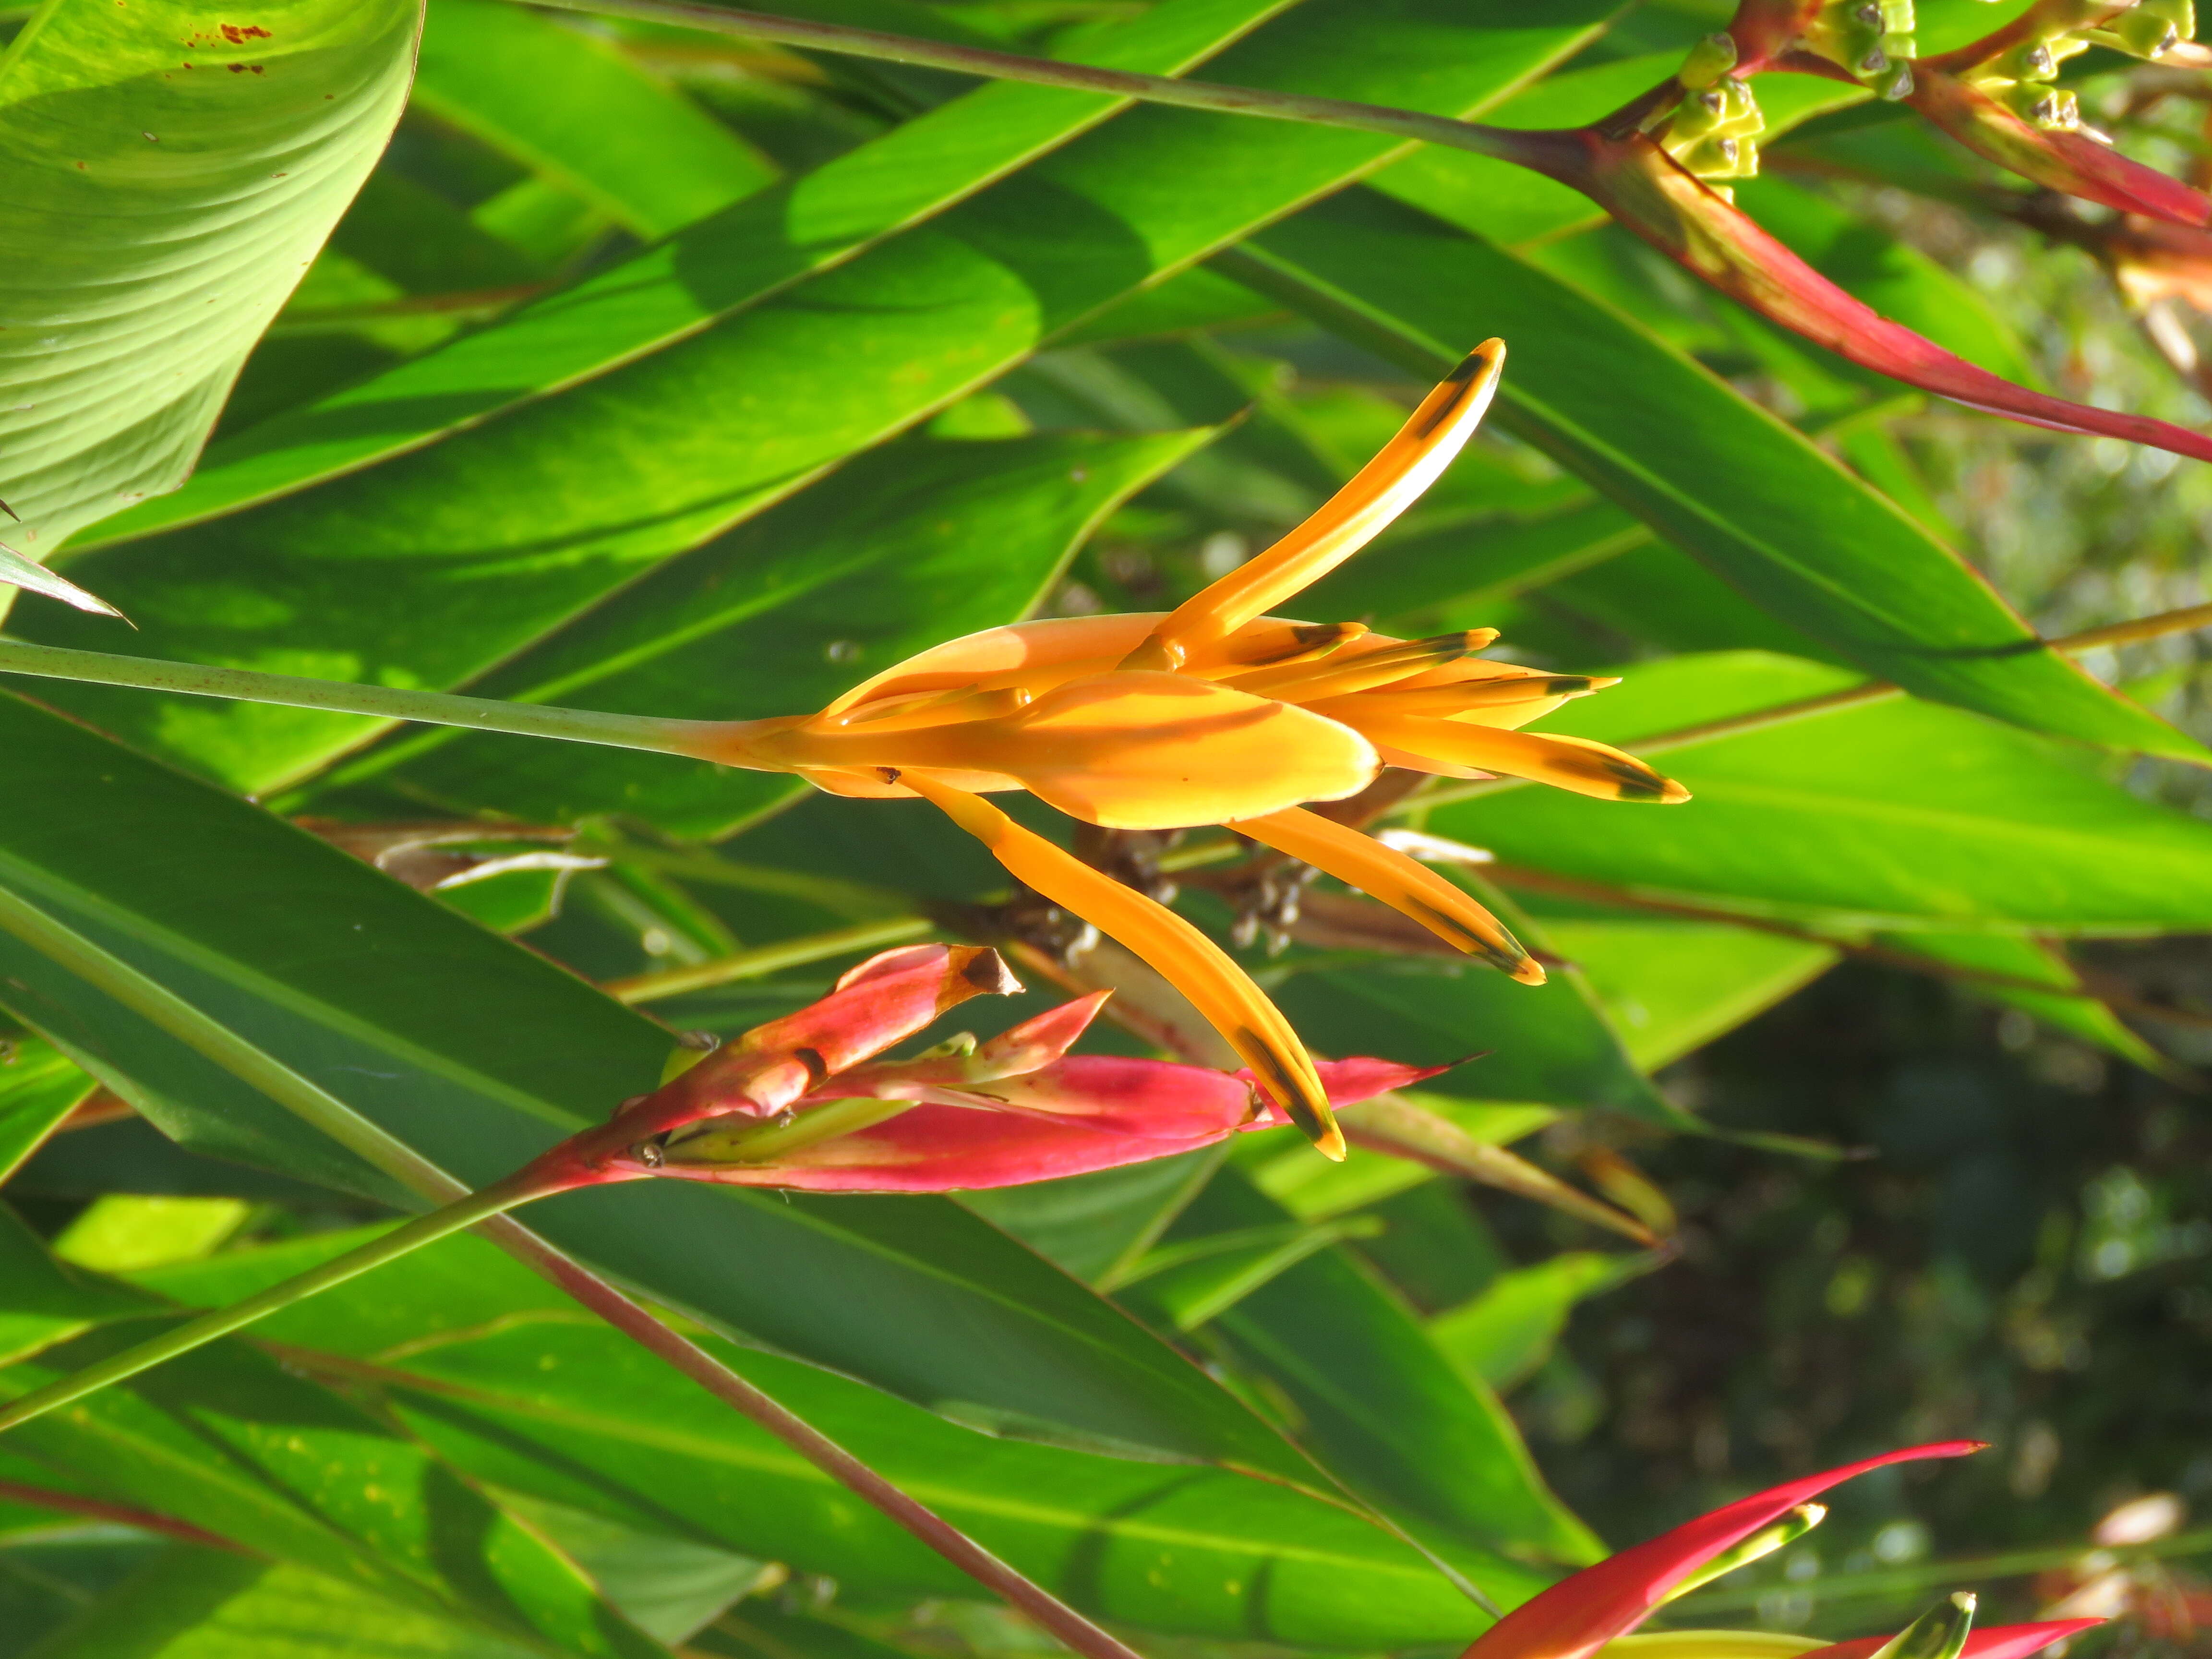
1714	131
2021	77
1871	38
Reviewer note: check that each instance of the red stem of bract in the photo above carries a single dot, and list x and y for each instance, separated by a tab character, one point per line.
1649	193
93	1509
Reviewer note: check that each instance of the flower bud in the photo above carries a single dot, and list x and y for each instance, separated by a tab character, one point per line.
1939	1633
1871	38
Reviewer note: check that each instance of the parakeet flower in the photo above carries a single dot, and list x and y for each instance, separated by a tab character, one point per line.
1217	712
1595	1609
803	1104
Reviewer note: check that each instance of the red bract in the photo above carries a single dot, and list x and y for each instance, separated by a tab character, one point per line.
886	1000
1079	1114
1580	1614
801	1103
2072	162
1651	194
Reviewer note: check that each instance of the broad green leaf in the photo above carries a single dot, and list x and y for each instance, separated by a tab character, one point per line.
541	513
1892	814
39	1087
913	172
44	1301
196	1603
1673	986
1427	583
504	1378
227	1440
1510	1330
478	1054
128	128
578	111
1375	1400
920	542
2067	1007
1714	474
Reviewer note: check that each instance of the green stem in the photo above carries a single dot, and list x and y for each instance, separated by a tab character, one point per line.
377	702
413	1235
210	1039
1542	151
768	959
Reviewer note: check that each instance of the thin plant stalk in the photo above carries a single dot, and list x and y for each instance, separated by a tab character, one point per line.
344	697
741	1394
1527	148
172	1014
411	1235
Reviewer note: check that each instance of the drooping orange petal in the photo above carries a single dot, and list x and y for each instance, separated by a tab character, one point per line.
1346	522
1193	964
1389	877
1134	751
1577	763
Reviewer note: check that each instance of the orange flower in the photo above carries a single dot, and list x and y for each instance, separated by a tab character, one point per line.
1217	712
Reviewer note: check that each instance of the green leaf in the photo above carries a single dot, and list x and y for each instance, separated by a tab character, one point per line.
1891	814
494	1368
44	1301
195	1603
1711	471
918	543
1510	1330
227	1440
1673	985
911	173
578	111
539	514
1378	1401
478	1054
38	1089
126	128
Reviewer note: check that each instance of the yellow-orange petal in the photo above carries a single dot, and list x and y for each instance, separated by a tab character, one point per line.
1362	669
1390	877
1221	990
1460	698
1346	522
1585	767
1139	751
